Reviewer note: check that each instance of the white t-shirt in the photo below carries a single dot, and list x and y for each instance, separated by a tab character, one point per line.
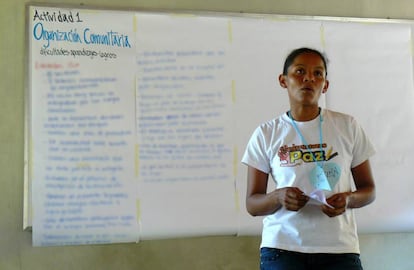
276	148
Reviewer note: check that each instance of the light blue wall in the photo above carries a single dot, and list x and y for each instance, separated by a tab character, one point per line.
379	251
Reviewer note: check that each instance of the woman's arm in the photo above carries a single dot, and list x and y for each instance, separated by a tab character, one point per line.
365	186
259	202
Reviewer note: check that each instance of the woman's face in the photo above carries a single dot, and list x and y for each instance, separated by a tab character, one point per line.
305	80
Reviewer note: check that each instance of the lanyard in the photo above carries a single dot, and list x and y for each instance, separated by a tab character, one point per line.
303	138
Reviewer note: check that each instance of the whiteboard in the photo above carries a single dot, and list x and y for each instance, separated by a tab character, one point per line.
136	120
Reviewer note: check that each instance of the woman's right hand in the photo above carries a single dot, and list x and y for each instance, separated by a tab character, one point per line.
260	203
292	198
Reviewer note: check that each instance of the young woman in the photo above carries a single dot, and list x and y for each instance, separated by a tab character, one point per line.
308	150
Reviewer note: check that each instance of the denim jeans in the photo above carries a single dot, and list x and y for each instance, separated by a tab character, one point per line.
277	259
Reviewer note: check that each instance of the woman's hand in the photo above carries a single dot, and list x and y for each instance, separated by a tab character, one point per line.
292	198
363	195
260	203
339	202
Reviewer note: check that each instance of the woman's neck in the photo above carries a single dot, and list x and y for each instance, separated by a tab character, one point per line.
303	114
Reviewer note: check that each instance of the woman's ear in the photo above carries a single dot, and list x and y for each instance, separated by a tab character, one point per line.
325	87
282	81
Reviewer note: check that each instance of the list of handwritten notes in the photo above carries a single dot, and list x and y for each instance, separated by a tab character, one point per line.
115	126
183	115
84	184
184	100
184	120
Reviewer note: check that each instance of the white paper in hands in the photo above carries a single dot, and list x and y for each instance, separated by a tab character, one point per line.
317	197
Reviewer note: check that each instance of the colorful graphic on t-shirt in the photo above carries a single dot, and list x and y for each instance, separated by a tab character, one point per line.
297	154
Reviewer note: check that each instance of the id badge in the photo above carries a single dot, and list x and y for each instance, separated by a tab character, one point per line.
318	179
325	177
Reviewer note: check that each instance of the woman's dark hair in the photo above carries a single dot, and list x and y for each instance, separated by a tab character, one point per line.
291	57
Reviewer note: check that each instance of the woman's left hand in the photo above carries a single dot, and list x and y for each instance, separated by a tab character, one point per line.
339	202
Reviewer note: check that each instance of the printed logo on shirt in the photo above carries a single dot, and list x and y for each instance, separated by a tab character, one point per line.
297	154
